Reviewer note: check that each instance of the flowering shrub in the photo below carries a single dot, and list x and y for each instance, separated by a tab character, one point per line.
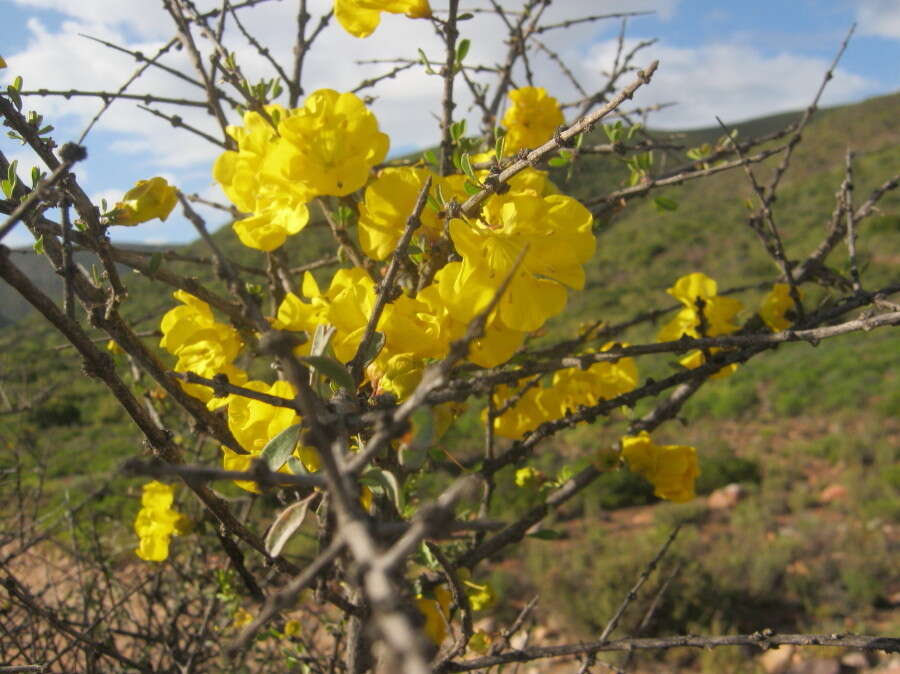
330	388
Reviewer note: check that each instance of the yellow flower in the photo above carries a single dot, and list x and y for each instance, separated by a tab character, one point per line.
251	179
148	199
2	62
697	292
156	522
254	423
242	618
533	408
531	120
480	642
202	345
481	597
330	144
529	478
671	469
601	381
775	305
695	359
388	202
436	612
360	18
555	229
366	498
292	628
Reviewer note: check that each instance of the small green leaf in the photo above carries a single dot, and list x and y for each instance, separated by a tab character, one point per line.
558	162
430	157
457	130
547	535
284	526
665	204
321	339
296	466
38	245
380	479
424	60
465	16
279	449
430	560
462	50
35	176
465	163
153	265
6	186
470	188
376	344
332	369
17	83
422	429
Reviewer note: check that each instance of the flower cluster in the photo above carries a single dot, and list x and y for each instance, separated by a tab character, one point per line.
287	157
570	389
704	314
156	522
671	469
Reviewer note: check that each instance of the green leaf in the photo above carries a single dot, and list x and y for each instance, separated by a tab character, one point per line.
153	265
6	186
465	163
424	60
430	157
422	429
547	535
296	466
38	245
332	369
470	188
17	83
465	16
558	162
376	344
35	176
321	339
284	526
430	560
665	204
279	449
384	480
462	50
457	130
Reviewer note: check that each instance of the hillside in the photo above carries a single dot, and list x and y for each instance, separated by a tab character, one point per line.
796	422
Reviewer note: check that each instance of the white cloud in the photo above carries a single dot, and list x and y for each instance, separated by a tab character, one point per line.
879	17
144	17
734	82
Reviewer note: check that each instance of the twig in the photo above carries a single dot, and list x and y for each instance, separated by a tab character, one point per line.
764	640
632	593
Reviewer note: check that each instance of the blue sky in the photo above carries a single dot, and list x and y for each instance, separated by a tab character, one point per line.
736	60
